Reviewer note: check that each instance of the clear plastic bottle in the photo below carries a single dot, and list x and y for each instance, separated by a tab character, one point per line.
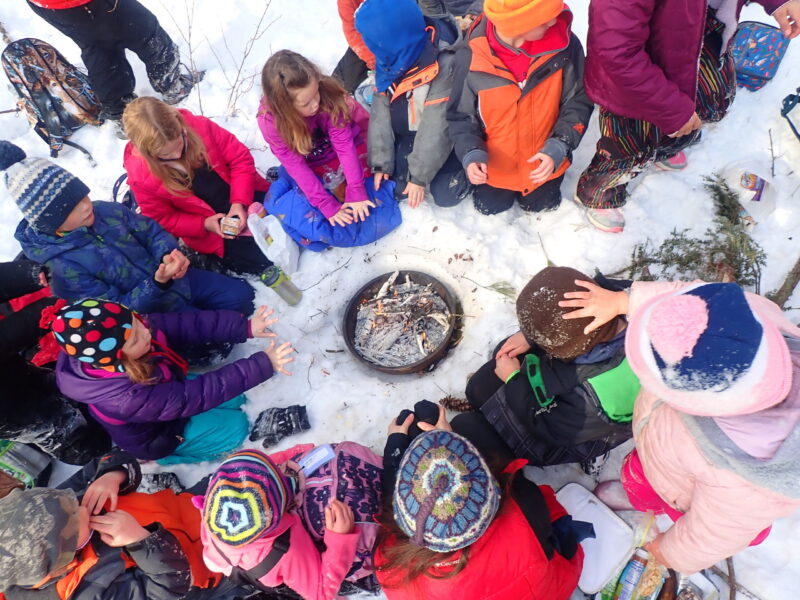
274	278
631	575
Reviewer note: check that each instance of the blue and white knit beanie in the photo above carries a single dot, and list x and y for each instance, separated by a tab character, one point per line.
446	496
44	192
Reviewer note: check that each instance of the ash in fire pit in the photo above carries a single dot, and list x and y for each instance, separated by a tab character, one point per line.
402	324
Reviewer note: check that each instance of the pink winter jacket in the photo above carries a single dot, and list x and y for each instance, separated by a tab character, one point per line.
723	511
336	143
313	575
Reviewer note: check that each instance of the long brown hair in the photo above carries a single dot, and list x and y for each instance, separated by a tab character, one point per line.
151	124
403	561
287	71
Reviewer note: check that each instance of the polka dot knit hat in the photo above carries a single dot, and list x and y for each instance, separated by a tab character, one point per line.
94	331
445	496
246	498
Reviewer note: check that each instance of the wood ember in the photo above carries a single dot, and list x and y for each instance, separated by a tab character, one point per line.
402	324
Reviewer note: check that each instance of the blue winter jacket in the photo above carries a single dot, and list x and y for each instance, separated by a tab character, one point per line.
114	259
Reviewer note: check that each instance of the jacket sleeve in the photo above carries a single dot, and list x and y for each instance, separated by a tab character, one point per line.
381	135
298	169
162	569
239	160
201	327
396	446
171	400
621	48
432	144
19	277
575	110
347	10
116	460
314	575
149	233
345	147
20	330
463	123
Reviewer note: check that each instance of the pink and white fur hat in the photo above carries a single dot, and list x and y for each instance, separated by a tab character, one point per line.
711	349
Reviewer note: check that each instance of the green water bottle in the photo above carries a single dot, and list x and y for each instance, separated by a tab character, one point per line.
274	278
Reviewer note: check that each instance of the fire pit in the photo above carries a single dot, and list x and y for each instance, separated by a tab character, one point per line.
402	322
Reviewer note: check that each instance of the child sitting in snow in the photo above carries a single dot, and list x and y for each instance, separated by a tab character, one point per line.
267	519
95	538
136	385
316	130
103	249
188	173
408	138
554	393
518	108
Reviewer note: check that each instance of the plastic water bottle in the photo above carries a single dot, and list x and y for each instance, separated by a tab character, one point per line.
631	575
274	278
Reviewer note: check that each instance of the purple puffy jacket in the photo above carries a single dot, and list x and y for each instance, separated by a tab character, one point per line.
641	55
148	420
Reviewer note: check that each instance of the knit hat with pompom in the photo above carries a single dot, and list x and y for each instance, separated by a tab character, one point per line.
44	192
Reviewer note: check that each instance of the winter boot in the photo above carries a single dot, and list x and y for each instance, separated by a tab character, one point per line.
274	424
183	85
673	163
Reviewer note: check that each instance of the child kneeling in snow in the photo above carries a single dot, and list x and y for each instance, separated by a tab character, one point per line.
554	393
95	538
121	365
267	519
105	250
317	132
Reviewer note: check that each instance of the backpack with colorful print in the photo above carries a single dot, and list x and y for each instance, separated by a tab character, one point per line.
757	50
56	97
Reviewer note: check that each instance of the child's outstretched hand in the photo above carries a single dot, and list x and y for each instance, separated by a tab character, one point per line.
505	366
339	517
118	528
262	321
280	356
415	193
514	346
544	170
359	210
103	489
341	218
600	304
441	423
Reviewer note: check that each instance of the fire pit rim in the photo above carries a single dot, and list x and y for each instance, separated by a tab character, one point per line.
429	362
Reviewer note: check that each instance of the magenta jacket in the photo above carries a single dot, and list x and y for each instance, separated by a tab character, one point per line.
330	143
641	56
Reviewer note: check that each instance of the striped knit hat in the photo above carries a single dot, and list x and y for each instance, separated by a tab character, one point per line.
44	192
246	498
445	497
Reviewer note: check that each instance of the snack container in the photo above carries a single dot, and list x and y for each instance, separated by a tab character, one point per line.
230	225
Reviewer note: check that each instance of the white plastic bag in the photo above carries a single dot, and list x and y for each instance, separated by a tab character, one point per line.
750	179
274	242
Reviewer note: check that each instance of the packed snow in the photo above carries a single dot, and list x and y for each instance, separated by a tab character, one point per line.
467	251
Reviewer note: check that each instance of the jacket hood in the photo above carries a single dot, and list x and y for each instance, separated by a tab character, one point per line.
74	383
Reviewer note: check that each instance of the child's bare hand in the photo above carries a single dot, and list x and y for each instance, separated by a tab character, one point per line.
788	17
118	528
339	517
505	366
402	428
415	193
691	125
378	179
103	489
544	170
514	346
280	356
600	304
359	210
477	173
442	423
341	218
262	321
212	224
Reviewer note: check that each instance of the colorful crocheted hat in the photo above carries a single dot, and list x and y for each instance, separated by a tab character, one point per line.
445	496
246	498
94	331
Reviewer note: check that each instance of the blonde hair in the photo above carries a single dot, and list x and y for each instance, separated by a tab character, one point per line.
151	124
139	370
286	71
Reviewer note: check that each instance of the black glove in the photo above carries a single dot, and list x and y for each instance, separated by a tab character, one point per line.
274	424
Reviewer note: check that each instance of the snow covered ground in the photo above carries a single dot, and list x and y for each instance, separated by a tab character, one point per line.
466	250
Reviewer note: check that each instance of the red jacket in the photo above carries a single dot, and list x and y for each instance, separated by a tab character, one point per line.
506	563
59	4
183	216
641	57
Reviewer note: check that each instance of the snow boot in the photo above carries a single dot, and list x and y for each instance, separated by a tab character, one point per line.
183	85
673	163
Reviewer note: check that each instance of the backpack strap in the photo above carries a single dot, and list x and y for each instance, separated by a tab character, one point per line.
252	576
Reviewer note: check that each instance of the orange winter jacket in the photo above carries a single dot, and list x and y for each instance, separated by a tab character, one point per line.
494	119
347	10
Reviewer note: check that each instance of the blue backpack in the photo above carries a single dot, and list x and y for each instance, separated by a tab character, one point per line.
757	51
